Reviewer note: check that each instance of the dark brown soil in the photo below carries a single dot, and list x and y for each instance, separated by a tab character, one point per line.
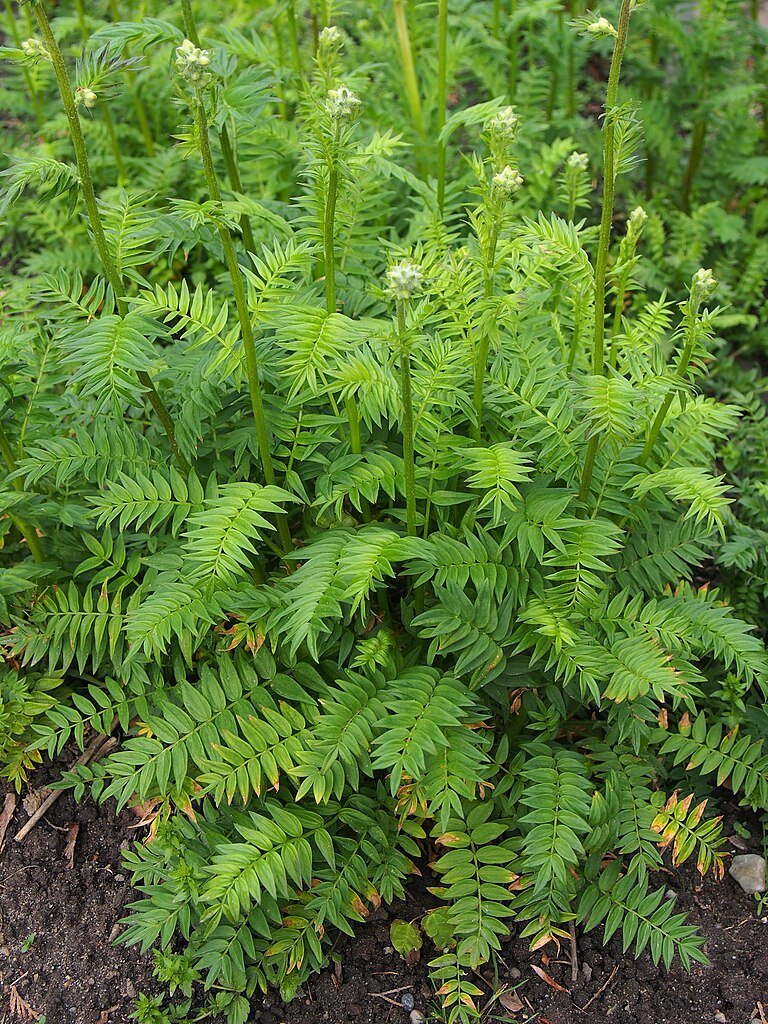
56	921
72	973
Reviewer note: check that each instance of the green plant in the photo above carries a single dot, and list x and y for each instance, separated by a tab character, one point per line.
400	567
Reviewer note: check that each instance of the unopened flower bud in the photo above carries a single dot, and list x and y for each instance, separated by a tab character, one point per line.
702	286
331	38
405	279
504	124
579	161
85	95
34	48
192	64
342	104
507	182
602	27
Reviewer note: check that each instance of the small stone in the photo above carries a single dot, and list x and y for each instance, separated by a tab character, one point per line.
408	1001
749	871
388	951
586	970
417	1017
119	878
670	894
720	1017
738	842
515	973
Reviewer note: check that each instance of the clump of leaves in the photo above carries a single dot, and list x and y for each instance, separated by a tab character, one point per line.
367	510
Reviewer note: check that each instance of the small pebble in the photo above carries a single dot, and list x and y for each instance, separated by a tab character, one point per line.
417	1017
749	871
670	894
514	973
721	1018
388	951
408	1001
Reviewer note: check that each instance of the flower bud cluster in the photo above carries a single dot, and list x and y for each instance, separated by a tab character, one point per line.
330	40
404	279
578	161
702	286
504	125
86	96
601	28
506	182
34	48
192	64
342	104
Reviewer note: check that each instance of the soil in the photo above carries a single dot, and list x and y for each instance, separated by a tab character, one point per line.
71	971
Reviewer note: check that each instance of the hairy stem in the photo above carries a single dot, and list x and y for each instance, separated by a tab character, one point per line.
16	35
483	345
226	143
442	96
682	365
409	70
94	217
243	313
409	465
514	51
606	218
27	531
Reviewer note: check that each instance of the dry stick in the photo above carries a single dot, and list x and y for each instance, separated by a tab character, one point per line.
94	217
97	748
600	991
9	806
574	953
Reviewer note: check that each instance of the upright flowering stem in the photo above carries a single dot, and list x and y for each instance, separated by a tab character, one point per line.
702	287
227	147
604	243
94	217
514	51
409	460
26	530
500	134
609	185
409	70
442	96
243	313
14	31
404	280
341	107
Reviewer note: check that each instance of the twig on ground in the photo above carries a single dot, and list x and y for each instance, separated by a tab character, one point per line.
97	748
378	995
9	806
600	991
574	953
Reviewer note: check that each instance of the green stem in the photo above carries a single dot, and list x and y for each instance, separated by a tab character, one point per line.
227	146
28	532
481	350
621	292
409	465
94	217
694	159
409	69
609	183
514	52
82	21
682	366
14	31
442	95
293	33
329	220
571	72
190	28
233	173
606	219
109	124
243	313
